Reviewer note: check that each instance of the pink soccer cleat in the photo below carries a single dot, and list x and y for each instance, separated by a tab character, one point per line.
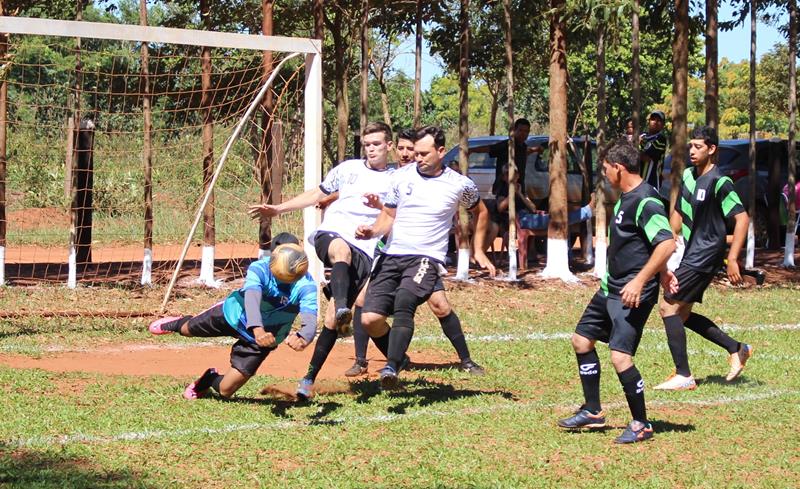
155	326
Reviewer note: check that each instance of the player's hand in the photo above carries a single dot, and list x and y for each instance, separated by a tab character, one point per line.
262	210
632	293
734	275
373	201
484	262
264	339
364	232
669	282
296	342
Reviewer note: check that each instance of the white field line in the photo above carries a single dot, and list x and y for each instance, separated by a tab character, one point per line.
50	441
491	338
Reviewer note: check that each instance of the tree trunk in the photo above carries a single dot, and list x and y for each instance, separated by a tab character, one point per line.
74	241
364	93
265	161
387	114
494	92
636	75
557	231
342	98
512	168
751	204
319	19
788	254
3	148
207	103
712	81
147	155
599	194
680	79
418	66
462	270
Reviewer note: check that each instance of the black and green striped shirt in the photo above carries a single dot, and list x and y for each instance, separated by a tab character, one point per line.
639	224
706	203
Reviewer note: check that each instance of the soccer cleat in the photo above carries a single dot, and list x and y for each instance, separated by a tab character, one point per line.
305	389
199	388
155	326
344	327
677	382
635	432
472	368
583	418
358	368
738	360
389	379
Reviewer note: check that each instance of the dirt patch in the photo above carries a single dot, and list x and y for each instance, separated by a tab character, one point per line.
38	218
182	361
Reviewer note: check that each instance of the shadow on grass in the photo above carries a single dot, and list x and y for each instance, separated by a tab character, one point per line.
431	367
281	407
26	468
742	380
420	393
669	427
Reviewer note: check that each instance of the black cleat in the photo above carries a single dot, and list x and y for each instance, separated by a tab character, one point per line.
583	418
472	368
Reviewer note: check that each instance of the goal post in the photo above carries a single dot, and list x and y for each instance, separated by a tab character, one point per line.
114	91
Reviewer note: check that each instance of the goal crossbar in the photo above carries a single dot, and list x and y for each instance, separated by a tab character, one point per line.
124	32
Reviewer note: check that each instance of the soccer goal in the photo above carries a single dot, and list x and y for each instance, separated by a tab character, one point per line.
117	140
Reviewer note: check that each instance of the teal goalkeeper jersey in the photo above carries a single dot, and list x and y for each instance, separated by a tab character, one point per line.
280	303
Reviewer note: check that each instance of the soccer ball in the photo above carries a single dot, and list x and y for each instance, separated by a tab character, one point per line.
288	263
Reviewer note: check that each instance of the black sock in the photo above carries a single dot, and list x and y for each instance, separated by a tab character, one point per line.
399	339
451	326
325	342
216	382
175	326
360	337
633	385
676	339
340	283
382	343
710	331
206	380
589	370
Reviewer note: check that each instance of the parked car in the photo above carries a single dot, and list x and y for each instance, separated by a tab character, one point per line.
482	168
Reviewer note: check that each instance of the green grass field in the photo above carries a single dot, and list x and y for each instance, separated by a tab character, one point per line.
444	429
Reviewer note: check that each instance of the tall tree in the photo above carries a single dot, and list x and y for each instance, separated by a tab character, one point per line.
680	62
418	65
557	231
602	128
265	160
462	272
788	255
512	167
712	75
636	71
364	92
751	205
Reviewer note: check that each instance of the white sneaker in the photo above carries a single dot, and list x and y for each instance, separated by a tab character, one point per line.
677	383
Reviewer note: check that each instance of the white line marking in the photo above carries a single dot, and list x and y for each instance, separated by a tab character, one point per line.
47	441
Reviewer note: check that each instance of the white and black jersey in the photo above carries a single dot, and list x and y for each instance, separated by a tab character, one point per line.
425	209
352	179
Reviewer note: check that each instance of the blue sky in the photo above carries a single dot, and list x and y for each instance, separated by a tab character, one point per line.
734	45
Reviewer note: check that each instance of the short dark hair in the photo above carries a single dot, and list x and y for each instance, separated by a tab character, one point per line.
623	153
283	238
434	131
375	127
707	133
409	134
522	122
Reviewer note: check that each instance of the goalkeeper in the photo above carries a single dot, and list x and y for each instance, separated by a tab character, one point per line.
259	315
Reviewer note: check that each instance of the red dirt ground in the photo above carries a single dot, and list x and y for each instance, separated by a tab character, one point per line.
185	360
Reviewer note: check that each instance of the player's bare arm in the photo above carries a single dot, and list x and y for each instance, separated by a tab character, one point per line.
306	199
481	214
676	223
632	292
739	236
380	227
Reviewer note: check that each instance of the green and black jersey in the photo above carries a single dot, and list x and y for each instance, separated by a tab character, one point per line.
705	204
640	223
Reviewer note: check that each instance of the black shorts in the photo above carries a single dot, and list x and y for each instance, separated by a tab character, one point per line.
360	264
606	319
691	285
415	273
246	357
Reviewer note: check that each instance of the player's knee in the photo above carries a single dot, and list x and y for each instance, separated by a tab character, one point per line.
439	305
581	344
374	324
339	251
621	361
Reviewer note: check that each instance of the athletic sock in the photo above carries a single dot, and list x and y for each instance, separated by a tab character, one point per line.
633	386
399	339
451	326
382	343
676	340
175	326
710	331
360	337
325	342
208	379
589	370
340	283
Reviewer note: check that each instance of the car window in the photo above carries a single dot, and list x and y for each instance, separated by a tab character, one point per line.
481	160
542	161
